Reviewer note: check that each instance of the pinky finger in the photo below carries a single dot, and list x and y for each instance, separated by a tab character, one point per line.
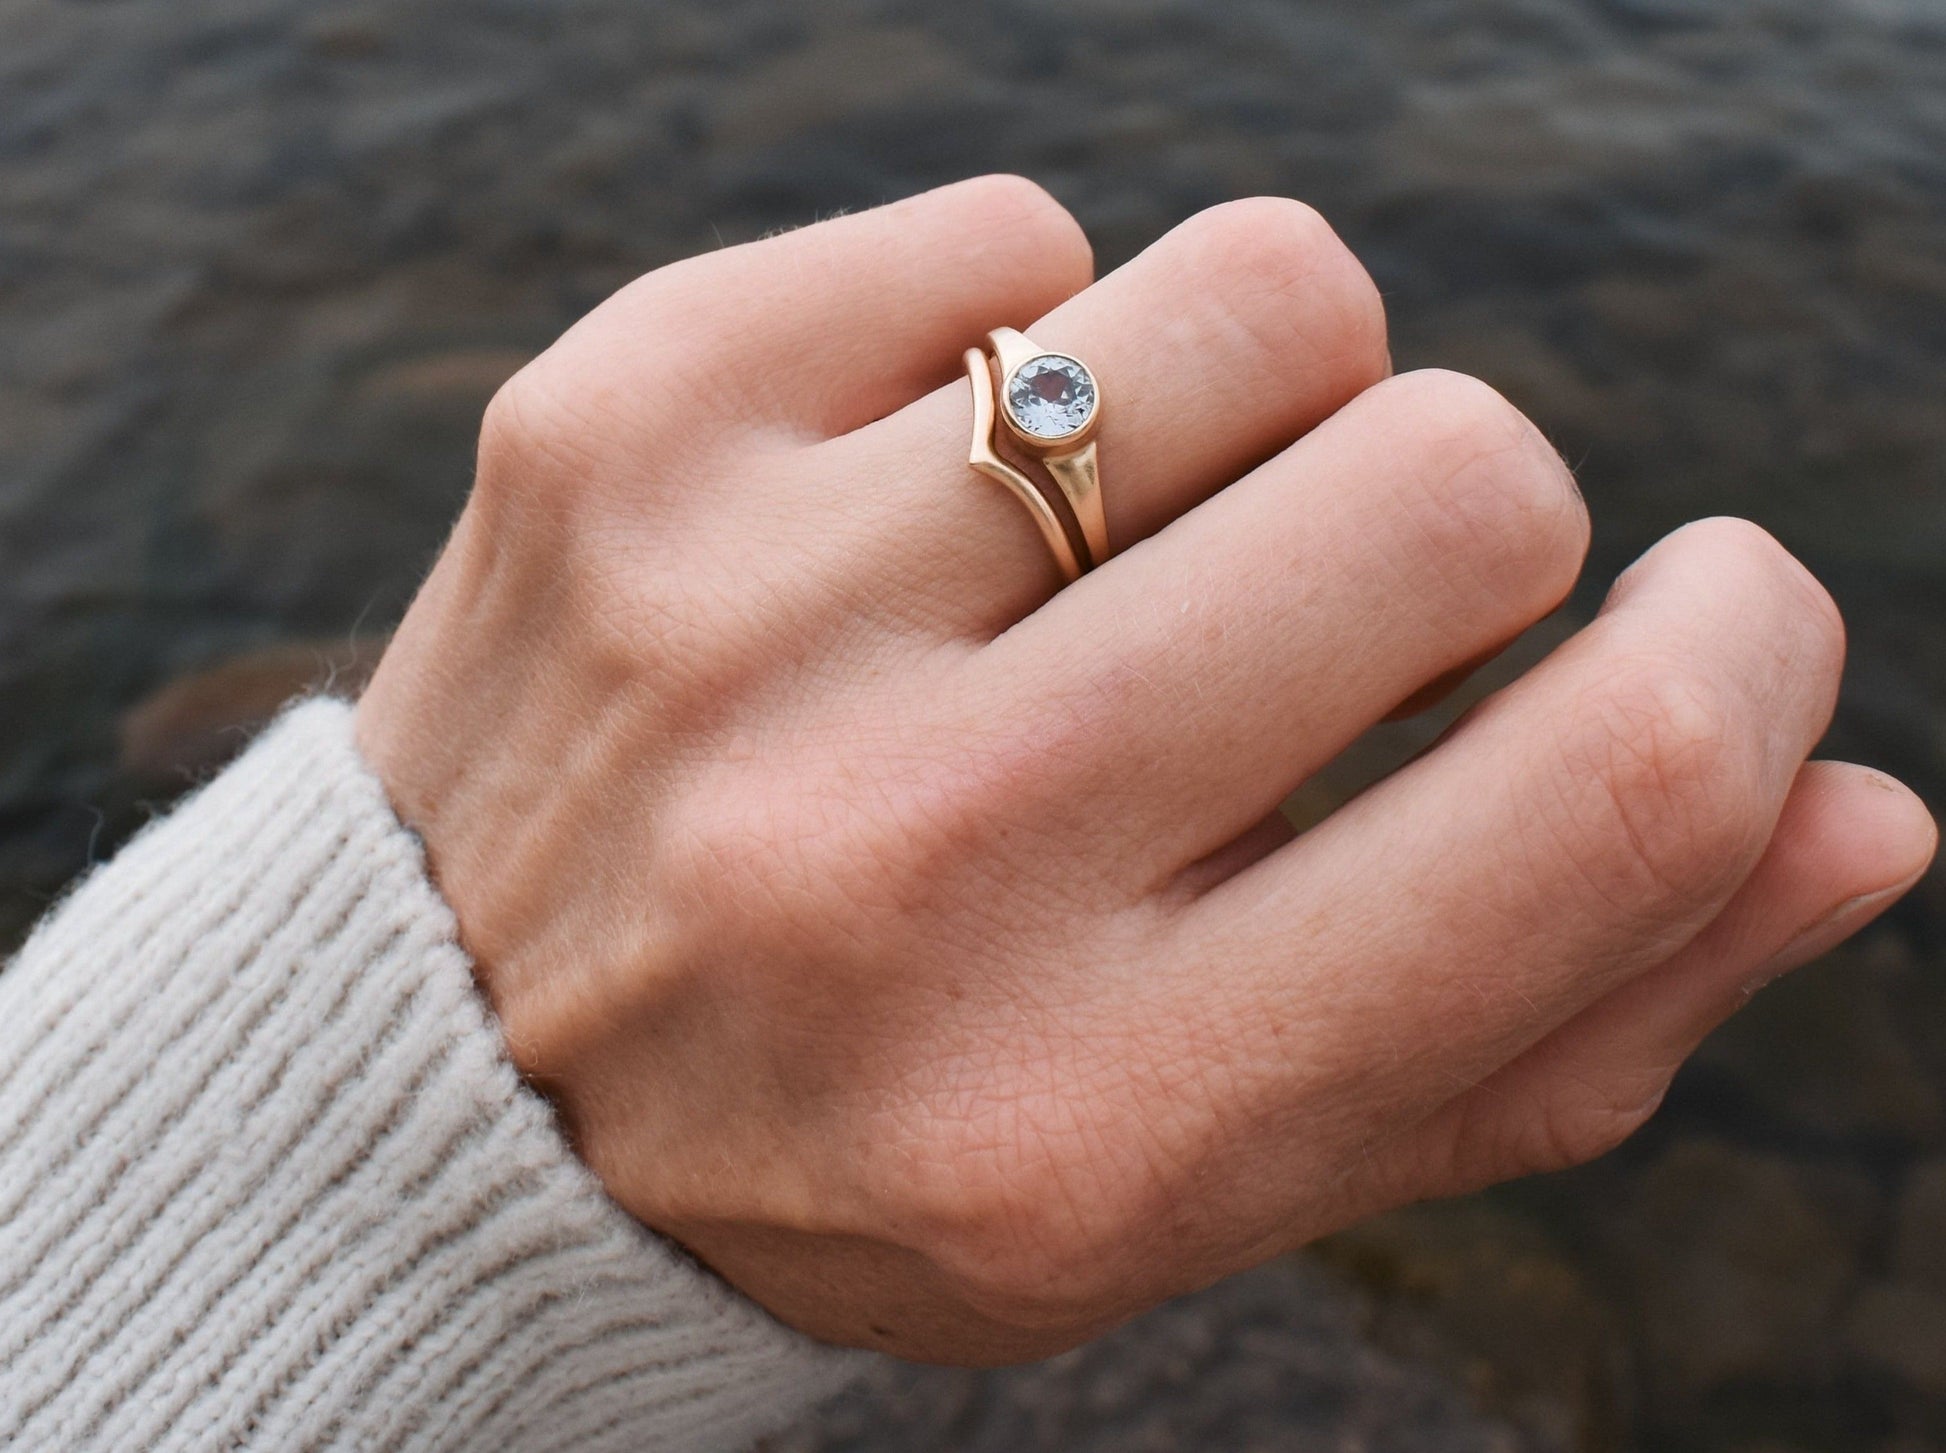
1850	842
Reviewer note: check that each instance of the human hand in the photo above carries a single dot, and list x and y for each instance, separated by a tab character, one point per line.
921	946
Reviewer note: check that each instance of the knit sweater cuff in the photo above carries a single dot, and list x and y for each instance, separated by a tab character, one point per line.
268	1180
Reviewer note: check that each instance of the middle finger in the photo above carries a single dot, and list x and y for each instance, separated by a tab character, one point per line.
1193	684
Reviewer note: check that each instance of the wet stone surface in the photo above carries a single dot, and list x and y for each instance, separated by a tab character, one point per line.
1280	1361
262	262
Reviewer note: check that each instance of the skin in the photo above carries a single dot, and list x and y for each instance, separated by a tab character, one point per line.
916	942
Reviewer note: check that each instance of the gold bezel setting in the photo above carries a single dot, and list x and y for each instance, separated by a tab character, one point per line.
1069	459
1087	399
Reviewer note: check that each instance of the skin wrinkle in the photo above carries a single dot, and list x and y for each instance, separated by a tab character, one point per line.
1613	766
1555	849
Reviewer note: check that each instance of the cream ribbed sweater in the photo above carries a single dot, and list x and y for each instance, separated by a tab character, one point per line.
268	1181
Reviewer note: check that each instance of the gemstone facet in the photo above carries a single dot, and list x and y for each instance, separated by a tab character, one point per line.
1051	396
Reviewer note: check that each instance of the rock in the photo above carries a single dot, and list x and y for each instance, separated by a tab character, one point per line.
1898	1328
1739	1263
1897	1325
1485	1291
1277	1359
1832	1052
1919	1247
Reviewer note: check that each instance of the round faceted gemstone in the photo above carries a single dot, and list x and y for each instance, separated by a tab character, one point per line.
1051	396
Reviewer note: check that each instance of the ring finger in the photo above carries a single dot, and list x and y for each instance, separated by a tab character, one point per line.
1233	335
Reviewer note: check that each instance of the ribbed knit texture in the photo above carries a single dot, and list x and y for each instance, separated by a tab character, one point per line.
268	1181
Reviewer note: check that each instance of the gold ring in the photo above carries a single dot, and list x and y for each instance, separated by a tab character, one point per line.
1050	406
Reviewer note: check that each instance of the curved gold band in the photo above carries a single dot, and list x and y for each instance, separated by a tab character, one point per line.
1071	462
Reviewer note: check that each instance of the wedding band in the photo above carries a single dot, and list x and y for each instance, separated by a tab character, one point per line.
1050	406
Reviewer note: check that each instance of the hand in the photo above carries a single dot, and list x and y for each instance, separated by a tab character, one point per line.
920	945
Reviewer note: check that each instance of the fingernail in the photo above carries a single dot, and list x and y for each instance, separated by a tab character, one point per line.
1826	933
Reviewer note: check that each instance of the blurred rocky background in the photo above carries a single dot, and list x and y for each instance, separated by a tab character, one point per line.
263	261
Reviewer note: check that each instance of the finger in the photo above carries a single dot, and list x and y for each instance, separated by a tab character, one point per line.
1197	681
1575	830
824	328
1233	335
1850	842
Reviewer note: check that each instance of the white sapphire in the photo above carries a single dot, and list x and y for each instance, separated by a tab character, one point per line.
1051	396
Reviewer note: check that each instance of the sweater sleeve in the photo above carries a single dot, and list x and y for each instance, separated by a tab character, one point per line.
268	1181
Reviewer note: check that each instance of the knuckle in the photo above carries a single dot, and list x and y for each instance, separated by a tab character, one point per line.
1463	414
531	431
1464	419
1675	783
512	422
1821	626
1499	501
1023	208
1805	620
1292	282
